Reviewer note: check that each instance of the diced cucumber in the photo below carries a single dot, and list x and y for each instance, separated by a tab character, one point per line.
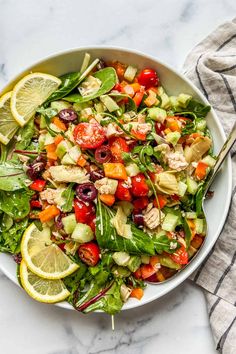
173	137
121	258
80	106
121	272
173	101
134	263
75	153
170	222
157	114
182	188
43	123
67	160
191	251
199	226
130	73
192	186
82	233
145	259
99	107
209	160
109	103
191	215
168	262
48	139
201	125
60	105
183	100
69	223
62	148
41	140
132	169
165	101
55	128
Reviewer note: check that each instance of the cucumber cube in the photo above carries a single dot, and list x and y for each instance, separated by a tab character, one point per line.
82	233
69	223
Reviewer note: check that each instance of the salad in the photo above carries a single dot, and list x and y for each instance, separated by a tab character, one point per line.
102	175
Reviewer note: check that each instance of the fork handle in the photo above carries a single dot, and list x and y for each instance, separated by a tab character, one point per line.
222	154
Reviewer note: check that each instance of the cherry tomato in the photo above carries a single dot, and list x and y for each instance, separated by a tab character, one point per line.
140	203
180	256
118	146
89	253
84	211
139	186
147	270
89	135
148	78
92	223
38	185
123	192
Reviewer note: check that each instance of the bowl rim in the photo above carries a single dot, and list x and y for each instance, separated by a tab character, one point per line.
202	256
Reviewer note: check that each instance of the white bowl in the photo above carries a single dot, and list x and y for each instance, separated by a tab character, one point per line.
174	83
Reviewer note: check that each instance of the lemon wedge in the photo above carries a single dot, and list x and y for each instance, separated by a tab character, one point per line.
40	289
29	93
43	257
8	125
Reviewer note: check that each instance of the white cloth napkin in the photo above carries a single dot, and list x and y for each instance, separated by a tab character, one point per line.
212	67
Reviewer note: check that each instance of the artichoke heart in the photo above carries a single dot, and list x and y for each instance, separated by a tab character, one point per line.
119	221
166	182
198	148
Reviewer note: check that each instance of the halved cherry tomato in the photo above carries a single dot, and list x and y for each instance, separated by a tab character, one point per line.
140	203
89	135
84	211
180	256
123	191
118	146
89	253
38	185
139	186
147	270
148	78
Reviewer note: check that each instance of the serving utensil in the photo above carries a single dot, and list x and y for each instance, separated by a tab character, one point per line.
219	161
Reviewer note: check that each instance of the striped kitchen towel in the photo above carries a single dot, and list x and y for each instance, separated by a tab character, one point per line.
212	67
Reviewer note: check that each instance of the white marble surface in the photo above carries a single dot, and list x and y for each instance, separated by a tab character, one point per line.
30	30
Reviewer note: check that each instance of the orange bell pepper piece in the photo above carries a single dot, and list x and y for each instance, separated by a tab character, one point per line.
108	199
197	241
115	170
162	201
137	293
50	147
154	260
151	99
58	139
59	124
81	161
173	125
201	170
48	213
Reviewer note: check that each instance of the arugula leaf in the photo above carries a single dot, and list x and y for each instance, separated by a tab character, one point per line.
72	281
25	135
12	176
163	243
198	200
198	108
48	114
10	238
68	83
107	237
108	78
68	194
15	204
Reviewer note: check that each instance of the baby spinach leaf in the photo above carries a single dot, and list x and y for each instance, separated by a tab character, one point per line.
68	194
68	83
107	237
10	239
15	204
12	177
108	78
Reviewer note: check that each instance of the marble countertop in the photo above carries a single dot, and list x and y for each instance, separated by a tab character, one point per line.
30	30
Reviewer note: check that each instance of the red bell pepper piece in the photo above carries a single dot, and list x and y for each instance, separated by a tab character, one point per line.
38	185
139	186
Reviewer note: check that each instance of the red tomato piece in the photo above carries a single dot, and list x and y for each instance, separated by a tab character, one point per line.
138	135
137	274
138	97
123	192
35	204
117	87
140	203
147	270
148	78
118	146
89	253
38	185
84	211
175	197
89	135
139	186
180	256
160	128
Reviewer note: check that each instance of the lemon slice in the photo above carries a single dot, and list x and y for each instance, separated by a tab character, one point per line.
43	290
43	257
29	93
8	125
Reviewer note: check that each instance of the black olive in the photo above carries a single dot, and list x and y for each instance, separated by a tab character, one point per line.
68	115
86	192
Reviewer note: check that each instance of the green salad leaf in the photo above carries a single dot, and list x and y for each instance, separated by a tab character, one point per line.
68	83
163	243
108	78
107	237
68	194
198	108
12	176
15	204
10	237
25	136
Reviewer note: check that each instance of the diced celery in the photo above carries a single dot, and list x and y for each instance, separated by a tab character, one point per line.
199	226
67	160
173	137
183	99
48	139
210	161
201	125
191	215
75	153
60	105
62	148
166	261
134	263
145	259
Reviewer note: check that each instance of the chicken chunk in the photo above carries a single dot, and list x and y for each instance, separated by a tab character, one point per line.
152	217
68	174
176	161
